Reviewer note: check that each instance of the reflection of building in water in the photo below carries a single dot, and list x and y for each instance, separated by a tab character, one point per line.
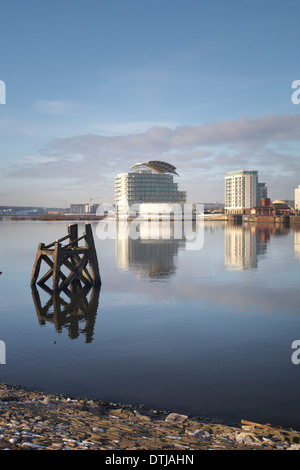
76	313
152	253
297	242
240	248
244	244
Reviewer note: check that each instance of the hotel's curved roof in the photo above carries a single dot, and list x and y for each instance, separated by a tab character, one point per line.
157	167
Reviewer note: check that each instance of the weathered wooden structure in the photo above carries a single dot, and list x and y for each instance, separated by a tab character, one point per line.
81	261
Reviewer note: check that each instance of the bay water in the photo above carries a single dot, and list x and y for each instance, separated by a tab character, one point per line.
205	331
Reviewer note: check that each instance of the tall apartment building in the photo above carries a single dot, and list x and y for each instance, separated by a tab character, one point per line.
243	191
262	193
150	183
297	198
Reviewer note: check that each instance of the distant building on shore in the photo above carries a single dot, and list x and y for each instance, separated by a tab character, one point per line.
83	208
150	184
265	208
243	191
281	207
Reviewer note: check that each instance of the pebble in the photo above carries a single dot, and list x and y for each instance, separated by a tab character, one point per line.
34	420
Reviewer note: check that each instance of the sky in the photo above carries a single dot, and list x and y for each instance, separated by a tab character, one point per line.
94	86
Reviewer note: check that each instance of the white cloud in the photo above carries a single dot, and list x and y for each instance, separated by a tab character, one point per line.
202	155
37	159
123	128
53	107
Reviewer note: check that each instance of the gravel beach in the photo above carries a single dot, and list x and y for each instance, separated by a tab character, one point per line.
32	420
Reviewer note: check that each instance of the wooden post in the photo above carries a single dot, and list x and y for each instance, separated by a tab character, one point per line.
92	255
56	265
37	264
73	234
73	239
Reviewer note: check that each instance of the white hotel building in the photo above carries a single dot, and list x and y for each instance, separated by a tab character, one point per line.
151	184
243	191
297	198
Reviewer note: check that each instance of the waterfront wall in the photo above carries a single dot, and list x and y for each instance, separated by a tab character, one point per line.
281	219
236	218
295	220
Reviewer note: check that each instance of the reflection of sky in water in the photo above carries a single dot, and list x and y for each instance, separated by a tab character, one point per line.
203	331
231	269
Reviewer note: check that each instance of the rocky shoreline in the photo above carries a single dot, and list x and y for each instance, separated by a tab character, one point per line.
32	420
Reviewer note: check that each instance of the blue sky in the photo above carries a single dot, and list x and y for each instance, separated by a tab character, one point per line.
94	86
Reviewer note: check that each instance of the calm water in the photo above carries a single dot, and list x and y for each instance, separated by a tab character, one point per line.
206	332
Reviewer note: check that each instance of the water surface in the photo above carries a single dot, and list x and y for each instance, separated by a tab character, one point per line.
206	332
